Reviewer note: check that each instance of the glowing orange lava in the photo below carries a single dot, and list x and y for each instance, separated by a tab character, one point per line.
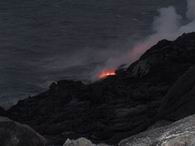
107	73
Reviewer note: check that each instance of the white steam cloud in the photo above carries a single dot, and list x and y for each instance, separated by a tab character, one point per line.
168	25
191	11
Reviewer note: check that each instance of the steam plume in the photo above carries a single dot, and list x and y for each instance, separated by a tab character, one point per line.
168	25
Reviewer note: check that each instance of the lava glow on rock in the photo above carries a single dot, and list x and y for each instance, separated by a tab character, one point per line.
107	73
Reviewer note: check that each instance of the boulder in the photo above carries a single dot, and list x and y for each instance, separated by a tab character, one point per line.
15	134
81	142
180	133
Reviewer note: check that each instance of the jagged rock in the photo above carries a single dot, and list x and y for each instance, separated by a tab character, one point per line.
15	134
166	58
81	142
180	133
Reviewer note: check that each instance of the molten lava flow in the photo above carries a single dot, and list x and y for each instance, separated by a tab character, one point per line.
107	73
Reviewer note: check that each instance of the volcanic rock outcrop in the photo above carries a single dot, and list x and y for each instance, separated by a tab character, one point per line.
179	133
116	107
180	100
15	134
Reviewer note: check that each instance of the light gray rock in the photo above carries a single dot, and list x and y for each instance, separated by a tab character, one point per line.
180	133
81	142
15	134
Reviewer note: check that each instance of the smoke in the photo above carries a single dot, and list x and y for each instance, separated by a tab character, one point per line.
191	11
167	25
69	40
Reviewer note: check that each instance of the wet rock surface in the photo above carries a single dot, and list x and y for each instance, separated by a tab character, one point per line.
114	108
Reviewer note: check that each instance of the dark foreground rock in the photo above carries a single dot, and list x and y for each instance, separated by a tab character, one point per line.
114	108
2	112
180	100
15	134
180	133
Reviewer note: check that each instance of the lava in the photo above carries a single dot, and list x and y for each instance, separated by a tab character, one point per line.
107	73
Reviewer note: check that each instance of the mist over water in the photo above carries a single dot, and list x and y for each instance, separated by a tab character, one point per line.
44	41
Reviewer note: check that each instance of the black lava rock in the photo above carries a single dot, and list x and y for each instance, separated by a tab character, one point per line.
116	107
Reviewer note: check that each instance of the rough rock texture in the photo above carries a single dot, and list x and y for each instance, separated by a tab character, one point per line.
15	134
114	108
167	58
81	142
180	100
180	133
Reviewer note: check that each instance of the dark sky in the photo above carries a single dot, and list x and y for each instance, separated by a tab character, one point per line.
47	40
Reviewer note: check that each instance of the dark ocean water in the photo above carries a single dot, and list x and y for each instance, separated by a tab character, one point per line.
47	40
